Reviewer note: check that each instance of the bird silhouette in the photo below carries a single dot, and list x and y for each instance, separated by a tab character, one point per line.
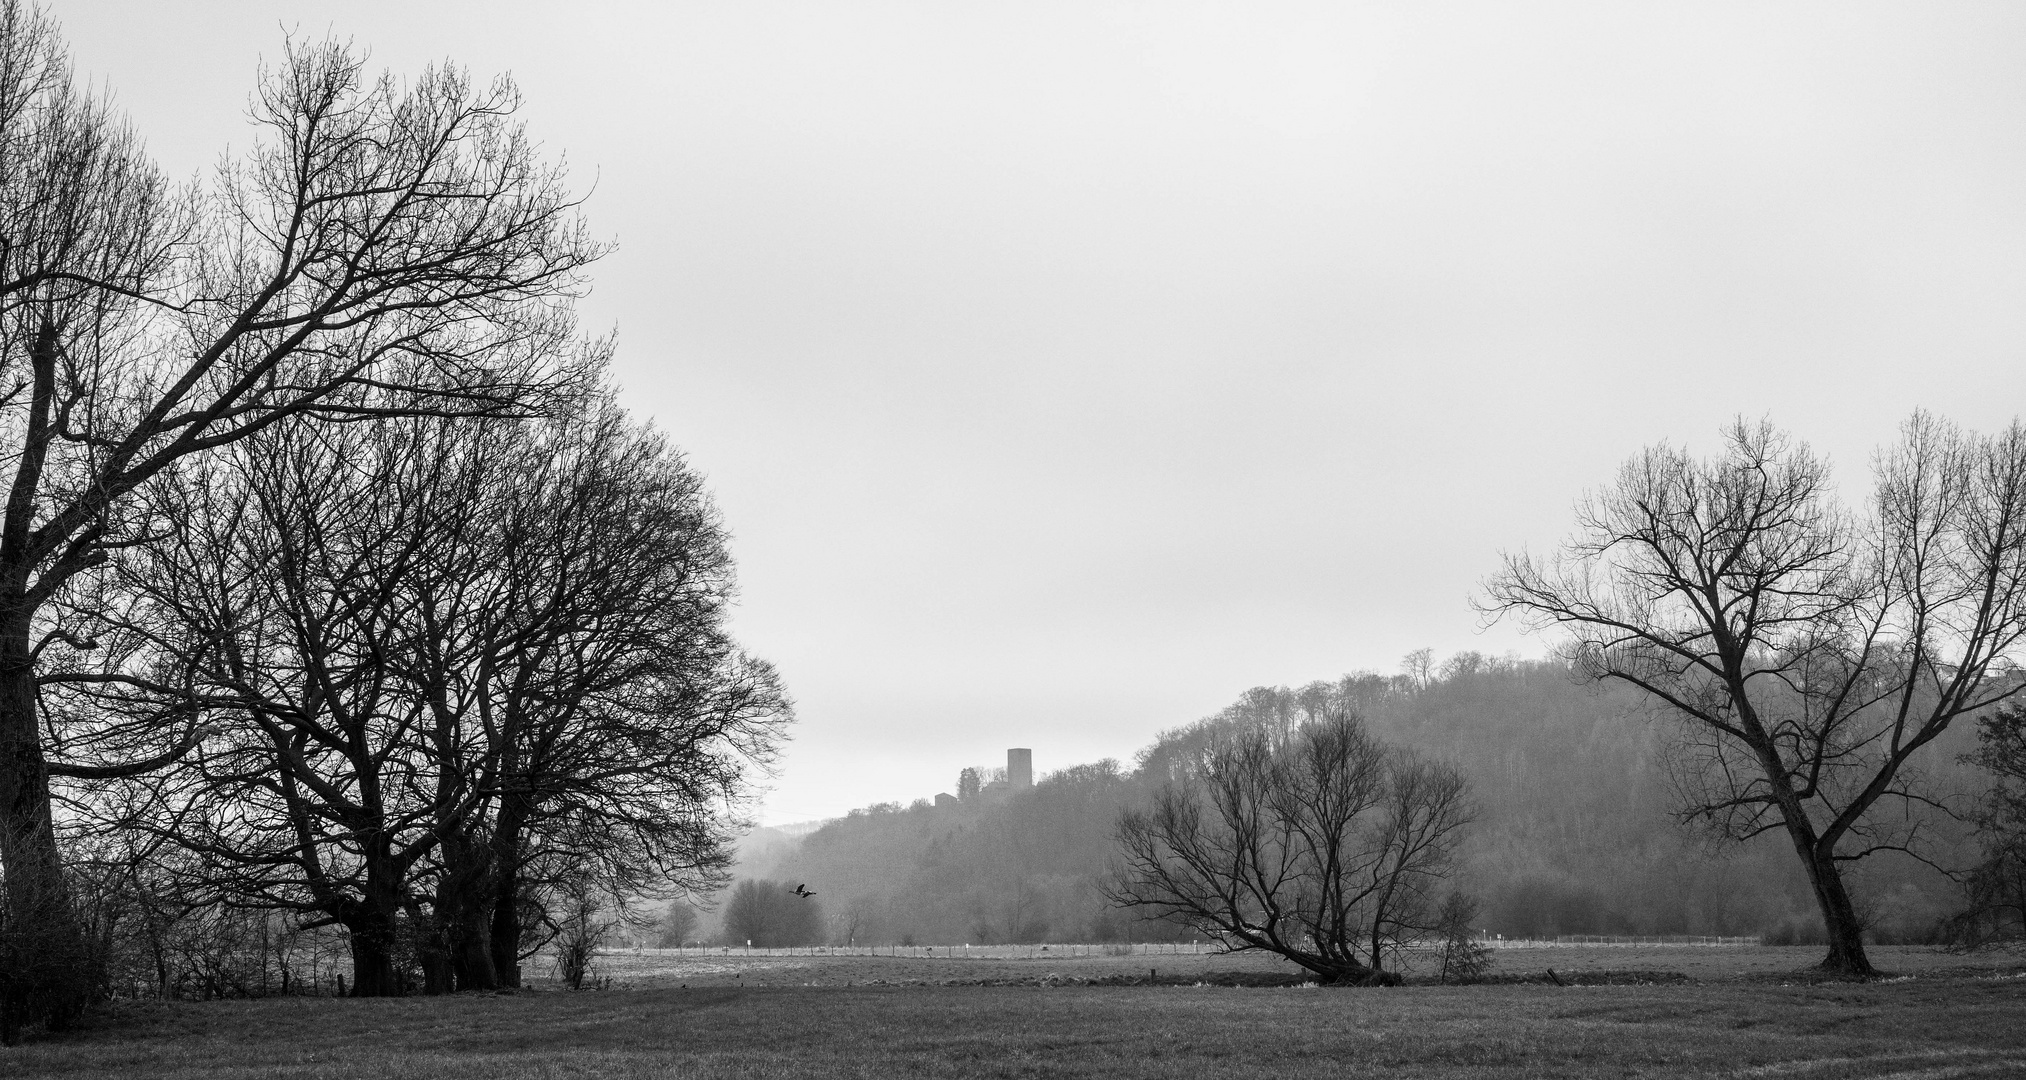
803	892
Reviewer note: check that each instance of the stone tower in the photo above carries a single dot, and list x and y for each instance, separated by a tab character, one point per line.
1019	769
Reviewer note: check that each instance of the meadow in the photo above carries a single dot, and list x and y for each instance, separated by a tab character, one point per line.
1649	1012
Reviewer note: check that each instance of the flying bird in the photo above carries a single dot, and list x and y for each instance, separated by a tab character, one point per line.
803	892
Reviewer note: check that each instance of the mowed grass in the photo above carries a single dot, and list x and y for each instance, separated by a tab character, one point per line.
1945	1023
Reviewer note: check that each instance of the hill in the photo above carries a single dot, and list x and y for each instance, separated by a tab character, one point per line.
1573	835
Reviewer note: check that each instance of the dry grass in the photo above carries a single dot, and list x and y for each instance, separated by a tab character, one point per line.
1946	1019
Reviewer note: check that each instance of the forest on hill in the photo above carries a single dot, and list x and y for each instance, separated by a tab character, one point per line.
1574	830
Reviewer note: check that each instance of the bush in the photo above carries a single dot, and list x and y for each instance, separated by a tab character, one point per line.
1464	958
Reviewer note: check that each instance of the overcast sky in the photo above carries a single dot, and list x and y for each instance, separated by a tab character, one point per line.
1063	370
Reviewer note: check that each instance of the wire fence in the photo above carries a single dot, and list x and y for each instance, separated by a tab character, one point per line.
980	952
1060	950
1622	940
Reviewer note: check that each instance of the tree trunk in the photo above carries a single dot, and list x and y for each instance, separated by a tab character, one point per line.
506	928
463	898
27	835
1825	877
374	923
1347	973
373	957
471	959
43	953
506	880
1839	914
1839	917
432	950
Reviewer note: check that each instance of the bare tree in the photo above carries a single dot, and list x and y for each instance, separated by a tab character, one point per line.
768	914
603	706
1464	958
86	225
678	924
385	249
273	611
1318	845
1419	667
447	668
1809	653
856	920
585	917
1421	818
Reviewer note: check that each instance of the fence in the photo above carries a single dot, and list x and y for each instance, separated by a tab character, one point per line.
1183	948
957	952
1623	940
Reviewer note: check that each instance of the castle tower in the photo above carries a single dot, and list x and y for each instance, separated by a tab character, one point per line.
1019	769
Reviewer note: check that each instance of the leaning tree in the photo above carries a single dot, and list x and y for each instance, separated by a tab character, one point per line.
1319	843
1809	653
402	237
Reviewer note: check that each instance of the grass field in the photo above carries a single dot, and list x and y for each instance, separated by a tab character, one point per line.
1747	1013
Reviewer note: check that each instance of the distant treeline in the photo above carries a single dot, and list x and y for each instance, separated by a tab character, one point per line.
1573	835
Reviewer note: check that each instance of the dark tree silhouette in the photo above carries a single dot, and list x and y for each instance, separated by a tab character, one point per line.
452	669
1810	654
614	715
86	225
385	249
1316	843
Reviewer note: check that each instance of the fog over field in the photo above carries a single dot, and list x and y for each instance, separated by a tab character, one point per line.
1064	370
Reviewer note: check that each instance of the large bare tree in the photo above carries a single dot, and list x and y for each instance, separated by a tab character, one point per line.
1319	844
385	248
274	610
608	719
86	225
1810	653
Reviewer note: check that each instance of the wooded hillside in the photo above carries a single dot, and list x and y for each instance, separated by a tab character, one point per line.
1574	832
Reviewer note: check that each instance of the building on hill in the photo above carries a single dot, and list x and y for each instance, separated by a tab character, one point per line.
1020	768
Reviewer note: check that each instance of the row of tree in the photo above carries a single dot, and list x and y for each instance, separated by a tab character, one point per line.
442	669
333	583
